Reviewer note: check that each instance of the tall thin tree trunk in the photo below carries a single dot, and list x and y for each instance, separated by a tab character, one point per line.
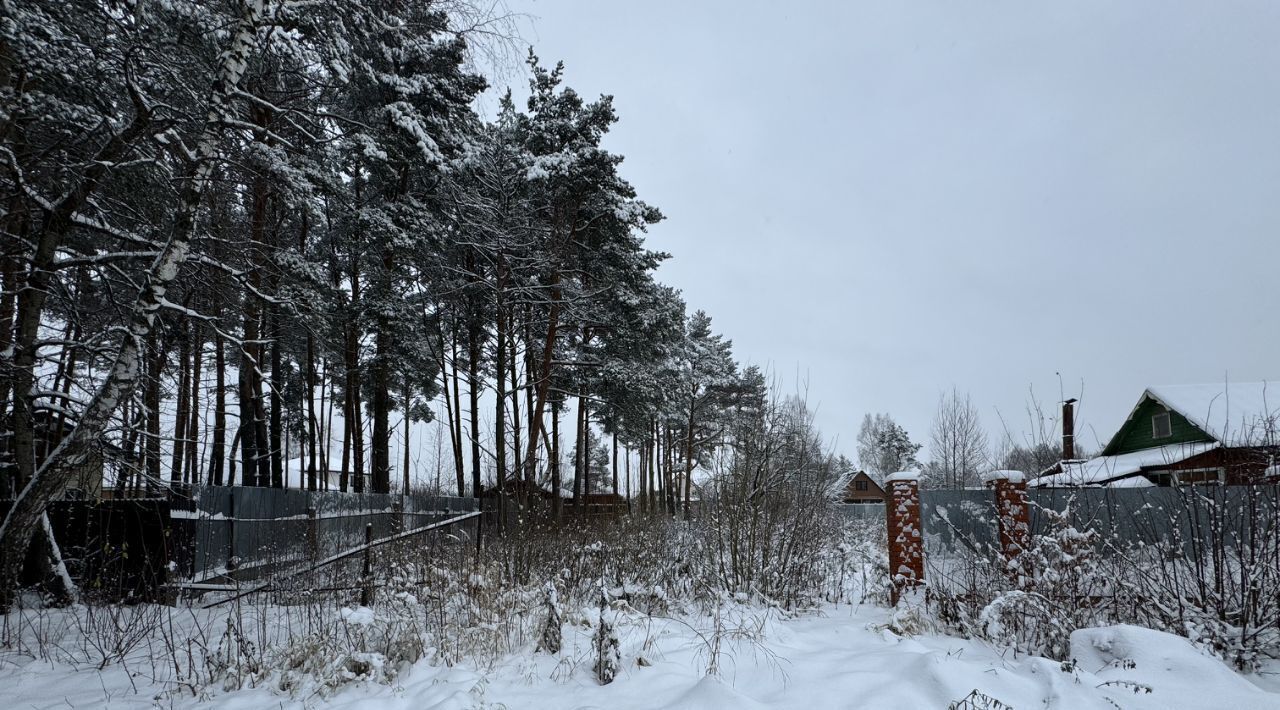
277	403
557	501
152	403
516	467
245	431
456	418
355	429
313	434
473	393
688	461
579	452
217	453
535	422
405	408
193	399
327	395
500	403
642	473
260	418
179	424
380	376
344	478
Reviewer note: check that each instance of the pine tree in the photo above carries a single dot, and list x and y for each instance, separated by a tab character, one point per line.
884	446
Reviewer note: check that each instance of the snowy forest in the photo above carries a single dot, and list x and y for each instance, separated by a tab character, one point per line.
333	244
292	246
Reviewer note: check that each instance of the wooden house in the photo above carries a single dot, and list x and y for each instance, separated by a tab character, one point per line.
862	490
1184	435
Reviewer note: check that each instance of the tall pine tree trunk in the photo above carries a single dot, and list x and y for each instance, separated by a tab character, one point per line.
192	473
246	431
380	376
500	402
152	404
179	424
557	501
217	450
473	393
405	409
313	434
277	405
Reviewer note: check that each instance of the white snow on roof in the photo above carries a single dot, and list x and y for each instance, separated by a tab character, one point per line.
1132	482
902	476
1103	469
1236	414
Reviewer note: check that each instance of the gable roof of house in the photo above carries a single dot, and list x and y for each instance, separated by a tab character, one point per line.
1234	414
874	488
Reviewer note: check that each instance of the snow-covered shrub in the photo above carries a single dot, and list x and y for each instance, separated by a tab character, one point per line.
1028	622
911	617
551	638
236	661
856	566
357	644
1214	578
1031	603
608	657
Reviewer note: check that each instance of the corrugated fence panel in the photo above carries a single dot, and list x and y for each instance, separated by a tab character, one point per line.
863	511
1189	517
259	529
952	516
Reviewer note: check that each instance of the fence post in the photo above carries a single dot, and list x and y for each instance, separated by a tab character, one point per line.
397	515
906	538
366	591
1011	511
313	534
233	557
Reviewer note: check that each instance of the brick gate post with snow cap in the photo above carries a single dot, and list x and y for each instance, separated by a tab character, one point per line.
1012	515
906	536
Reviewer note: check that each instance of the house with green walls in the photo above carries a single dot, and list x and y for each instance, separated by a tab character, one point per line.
1185	435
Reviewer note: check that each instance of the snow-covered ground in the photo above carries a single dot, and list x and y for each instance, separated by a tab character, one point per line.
838	657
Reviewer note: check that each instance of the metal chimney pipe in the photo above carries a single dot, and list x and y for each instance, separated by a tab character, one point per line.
1068	430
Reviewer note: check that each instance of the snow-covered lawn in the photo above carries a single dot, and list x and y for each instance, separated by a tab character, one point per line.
839	657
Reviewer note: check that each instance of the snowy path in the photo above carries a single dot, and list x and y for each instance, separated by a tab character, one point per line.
840	660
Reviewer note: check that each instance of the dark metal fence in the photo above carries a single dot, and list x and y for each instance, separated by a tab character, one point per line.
115	550
1185	516
247	533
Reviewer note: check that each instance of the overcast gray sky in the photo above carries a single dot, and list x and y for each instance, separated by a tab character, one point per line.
893	198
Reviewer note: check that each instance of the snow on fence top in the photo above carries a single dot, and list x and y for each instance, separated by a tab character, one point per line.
1004	475
902	476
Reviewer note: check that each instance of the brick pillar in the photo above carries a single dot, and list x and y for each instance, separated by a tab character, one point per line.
906	536
1011	511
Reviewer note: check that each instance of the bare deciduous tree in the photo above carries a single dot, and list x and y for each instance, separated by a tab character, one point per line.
957	443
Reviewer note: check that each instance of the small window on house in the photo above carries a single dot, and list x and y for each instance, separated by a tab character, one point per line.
1160	426
859	485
